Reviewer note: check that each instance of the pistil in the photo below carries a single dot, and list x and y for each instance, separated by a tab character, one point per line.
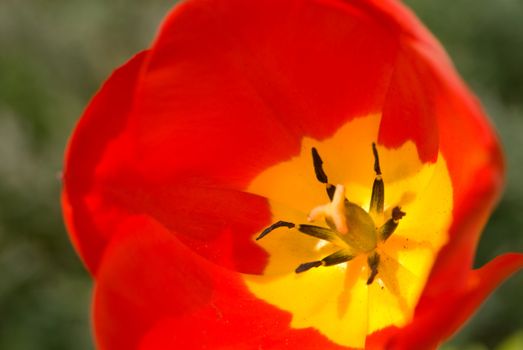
334	210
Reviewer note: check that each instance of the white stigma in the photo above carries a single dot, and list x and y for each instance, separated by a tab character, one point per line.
334	210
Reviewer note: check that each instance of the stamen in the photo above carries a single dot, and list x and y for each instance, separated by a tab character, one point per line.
318	232
388	228
323	233
373	261
320	173
273	227
397	214
339	257
377	199
318	167
307	266
377	168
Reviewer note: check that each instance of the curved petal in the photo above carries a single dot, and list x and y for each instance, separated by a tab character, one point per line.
100	125
218	224
153	292
471	149
429	104
230	88
263	75
474	159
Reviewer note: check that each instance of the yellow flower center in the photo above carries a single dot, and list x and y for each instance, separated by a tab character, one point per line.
341	301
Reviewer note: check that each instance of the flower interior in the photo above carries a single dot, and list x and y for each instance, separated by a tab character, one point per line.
356	230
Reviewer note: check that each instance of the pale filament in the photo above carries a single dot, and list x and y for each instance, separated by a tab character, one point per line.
334	210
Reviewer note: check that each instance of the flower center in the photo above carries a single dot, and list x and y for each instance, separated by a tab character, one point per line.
378	261
350	228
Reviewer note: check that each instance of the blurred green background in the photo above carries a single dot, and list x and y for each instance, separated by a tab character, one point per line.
54	54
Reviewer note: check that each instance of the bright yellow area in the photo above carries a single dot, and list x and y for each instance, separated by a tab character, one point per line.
336	300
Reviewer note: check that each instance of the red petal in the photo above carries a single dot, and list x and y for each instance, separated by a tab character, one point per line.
219	224
429	104
101	123
476	167
154	292
261	75
410	110
229	89
475	163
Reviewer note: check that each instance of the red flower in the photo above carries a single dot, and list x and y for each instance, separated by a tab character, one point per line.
195	146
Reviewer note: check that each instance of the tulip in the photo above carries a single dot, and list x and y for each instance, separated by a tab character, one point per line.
277	174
